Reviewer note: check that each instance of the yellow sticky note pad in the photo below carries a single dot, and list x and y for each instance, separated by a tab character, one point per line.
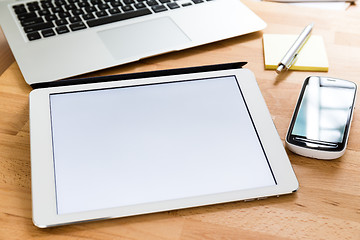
312	56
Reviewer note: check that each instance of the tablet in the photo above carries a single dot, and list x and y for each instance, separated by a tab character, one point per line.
137	146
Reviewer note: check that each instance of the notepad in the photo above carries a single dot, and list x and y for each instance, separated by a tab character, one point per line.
311	58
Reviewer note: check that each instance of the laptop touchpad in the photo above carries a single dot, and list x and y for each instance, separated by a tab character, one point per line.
144	39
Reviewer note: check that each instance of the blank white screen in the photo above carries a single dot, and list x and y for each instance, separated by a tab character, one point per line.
132	145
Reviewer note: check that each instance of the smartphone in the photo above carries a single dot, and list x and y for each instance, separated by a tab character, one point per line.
320	125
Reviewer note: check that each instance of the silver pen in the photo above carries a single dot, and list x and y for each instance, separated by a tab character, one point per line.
290	57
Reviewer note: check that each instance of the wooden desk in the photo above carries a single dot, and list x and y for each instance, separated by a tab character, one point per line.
6	57
327	205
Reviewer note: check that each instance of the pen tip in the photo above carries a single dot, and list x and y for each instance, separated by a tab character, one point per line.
279	68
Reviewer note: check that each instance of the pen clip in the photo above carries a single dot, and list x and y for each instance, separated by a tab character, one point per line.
293	60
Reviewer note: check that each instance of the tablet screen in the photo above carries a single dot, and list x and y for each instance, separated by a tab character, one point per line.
151	143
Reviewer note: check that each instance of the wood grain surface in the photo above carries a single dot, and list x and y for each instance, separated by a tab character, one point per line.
327	205
6	57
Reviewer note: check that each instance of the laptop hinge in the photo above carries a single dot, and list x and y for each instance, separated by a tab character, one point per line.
157	73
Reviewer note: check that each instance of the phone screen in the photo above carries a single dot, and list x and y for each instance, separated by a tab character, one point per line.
323	113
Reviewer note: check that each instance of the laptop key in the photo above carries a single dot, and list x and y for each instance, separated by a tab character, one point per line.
44	12
51	17
70	7
128	2
127	8
159	8
116	3
186	4
118	17
96	2
152	2
37	27
62	29
114	11
20	10
74	19
103	6
60	2
27	16
88	16
33	36
83	4
101	14
33	8
31	21
19	6
64	14
173	5
77	12
46	5
61	22
77	26
47	33
139	5
90	9
57	10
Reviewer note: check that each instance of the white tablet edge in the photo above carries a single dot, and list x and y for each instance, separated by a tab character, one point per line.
42	168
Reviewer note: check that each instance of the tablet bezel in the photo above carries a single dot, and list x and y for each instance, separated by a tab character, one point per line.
42	167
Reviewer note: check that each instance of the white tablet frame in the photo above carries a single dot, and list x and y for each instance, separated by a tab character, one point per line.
42	167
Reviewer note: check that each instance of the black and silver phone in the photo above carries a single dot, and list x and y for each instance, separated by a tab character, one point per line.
321	121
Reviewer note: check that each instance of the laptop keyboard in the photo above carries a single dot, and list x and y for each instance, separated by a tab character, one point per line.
48	18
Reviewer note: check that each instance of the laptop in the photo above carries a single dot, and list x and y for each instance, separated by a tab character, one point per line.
57	39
